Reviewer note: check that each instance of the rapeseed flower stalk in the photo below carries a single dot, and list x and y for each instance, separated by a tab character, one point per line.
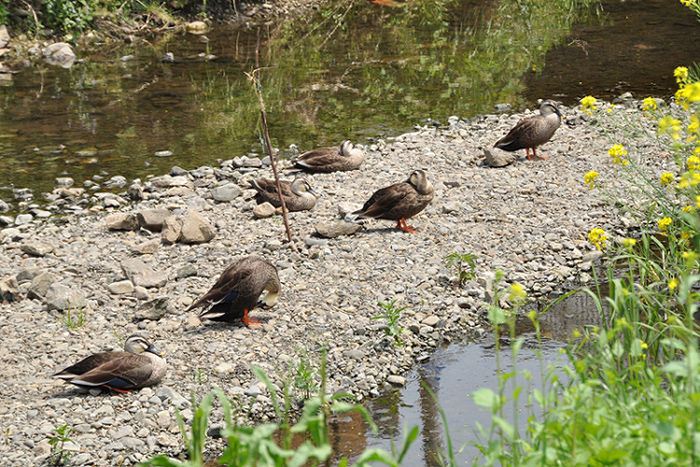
667	178
689	179
664	223
588	104
693	163
517	294
649	104
681	74
597	237
672	284
589	178
617	152
671	126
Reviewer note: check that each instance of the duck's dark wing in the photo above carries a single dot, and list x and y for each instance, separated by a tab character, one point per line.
387	202
124	370
237	290
319	160
84	365
516	137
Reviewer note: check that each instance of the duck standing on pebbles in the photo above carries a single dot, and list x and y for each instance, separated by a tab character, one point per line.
138	366
236	292
330	159
398	202
298	195
533	131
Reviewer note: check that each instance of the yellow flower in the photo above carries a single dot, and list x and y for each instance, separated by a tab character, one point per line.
617	152
685	235
671	126
690	257
689	179
664	223
689	93
588	104
649	104
589	178
517	293
667	178
681	74
598	237
644	345
693	163
629	242
694	124
691	209
673	284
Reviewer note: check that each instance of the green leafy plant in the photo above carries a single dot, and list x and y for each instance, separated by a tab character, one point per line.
392	314
59	455
460	263
74	320
304	373
201	377
267	444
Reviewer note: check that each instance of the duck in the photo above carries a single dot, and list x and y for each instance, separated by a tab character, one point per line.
298	194
398	202
330	159
138	366
238	289
533	131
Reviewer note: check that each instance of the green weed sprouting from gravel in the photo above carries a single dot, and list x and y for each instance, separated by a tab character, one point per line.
59	455
392	314
460	263
74	319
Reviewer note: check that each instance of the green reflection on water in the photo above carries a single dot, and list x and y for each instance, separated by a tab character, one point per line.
353	70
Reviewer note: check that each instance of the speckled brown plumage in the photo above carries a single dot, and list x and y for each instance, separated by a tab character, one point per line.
330	159
298	195
533	131
138	366
399	202
237	290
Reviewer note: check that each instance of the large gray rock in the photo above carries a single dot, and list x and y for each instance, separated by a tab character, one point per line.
122	221
60	54
146	248
4	36
143	275
62	297
264	210
332	229
37	248
121	287
226	193
172	230
152	219
495	157
9	289
40	286
196	229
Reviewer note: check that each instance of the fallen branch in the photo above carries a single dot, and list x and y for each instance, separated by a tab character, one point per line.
258	90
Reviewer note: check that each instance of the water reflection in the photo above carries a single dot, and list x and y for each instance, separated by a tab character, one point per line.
356	70
453	373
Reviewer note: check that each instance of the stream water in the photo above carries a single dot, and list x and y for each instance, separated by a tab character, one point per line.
385	70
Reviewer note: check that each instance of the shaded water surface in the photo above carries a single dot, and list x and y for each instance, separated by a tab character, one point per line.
381	71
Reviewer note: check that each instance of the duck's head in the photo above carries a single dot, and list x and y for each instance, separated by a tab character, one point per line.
301	185
348	149
549	107
268	301
138	344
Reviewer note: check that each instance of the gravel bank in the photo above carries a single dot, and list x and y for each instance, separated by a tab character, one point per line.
529	219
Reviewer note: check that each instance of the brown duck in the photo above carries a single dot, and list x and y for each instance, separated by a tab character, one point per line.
236	292
398	202
533	131
138	366
298	195
330	159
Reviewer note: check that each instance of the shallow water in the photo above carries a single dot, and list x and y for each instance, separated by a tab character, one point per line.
453	373
383	71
